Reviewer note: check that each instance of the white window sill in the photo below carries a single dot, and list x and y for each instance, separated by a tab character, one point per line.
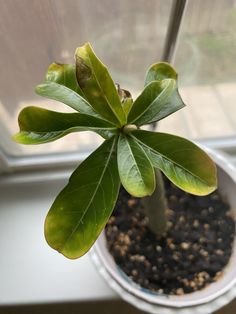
30	271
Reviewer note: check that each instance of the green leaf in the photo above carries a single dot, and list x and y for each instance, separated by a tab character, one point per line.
173	104
127	105
160	97
158	100
160	71
183	162
39	125
64	74
83	207
98	86
67	96
135	170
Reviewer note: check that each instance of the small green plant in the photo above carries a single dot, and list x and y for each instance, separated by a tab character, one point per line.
127	155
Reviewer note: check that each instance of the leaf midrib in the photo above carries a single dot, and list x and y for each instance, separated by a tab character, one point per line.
91	200
134	159
104	95
69	129
76	95
165	90
164	157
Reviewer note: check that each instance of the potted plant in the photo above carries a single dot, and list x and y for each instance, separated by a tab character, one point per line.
136	159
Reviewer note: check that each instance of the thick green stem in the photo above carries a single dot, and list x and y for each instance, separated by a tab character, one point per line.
156	207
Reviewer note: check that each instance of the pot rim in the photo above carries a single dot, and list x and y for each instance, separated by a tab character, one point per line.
138	297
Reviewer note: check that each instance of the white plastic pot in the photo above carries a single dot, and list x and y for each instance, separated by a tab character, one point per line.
204	301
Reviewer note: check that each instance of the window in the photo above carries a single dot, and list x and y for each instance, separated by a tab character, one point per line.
127	35
205	60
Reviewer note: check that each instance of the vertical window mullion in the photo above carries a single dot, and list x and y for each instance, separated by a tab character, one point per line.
174	27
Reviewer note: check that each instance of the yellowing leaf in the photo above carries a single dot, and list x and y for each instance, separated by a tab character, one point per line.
81	210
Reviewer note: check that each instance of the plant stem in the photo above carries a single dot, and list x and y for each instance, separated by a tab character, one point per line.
156	206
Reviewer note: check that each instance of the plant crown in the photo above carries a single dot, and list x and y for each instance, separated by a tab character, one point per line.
128	154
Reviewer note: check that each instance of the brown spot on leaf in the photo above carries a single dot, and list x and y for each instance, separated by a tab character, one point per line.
83	72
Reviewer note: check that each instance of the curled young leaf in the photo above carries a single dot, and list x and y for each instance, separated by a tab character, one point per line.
125	98
160	71
160	97
158	100
64	74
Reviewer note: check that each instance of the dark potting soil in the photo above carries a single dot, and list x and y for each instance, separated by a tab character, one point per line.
192	253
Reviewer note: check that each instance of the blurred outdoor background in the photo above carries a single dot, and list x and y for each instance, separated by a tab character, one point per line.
128	36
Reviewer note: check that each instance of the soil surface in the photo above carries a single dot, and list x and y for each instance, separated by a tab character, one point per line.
192	253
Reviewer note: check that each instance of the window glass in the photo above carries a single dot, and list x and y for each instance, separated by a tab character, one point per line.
127	35
206	62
